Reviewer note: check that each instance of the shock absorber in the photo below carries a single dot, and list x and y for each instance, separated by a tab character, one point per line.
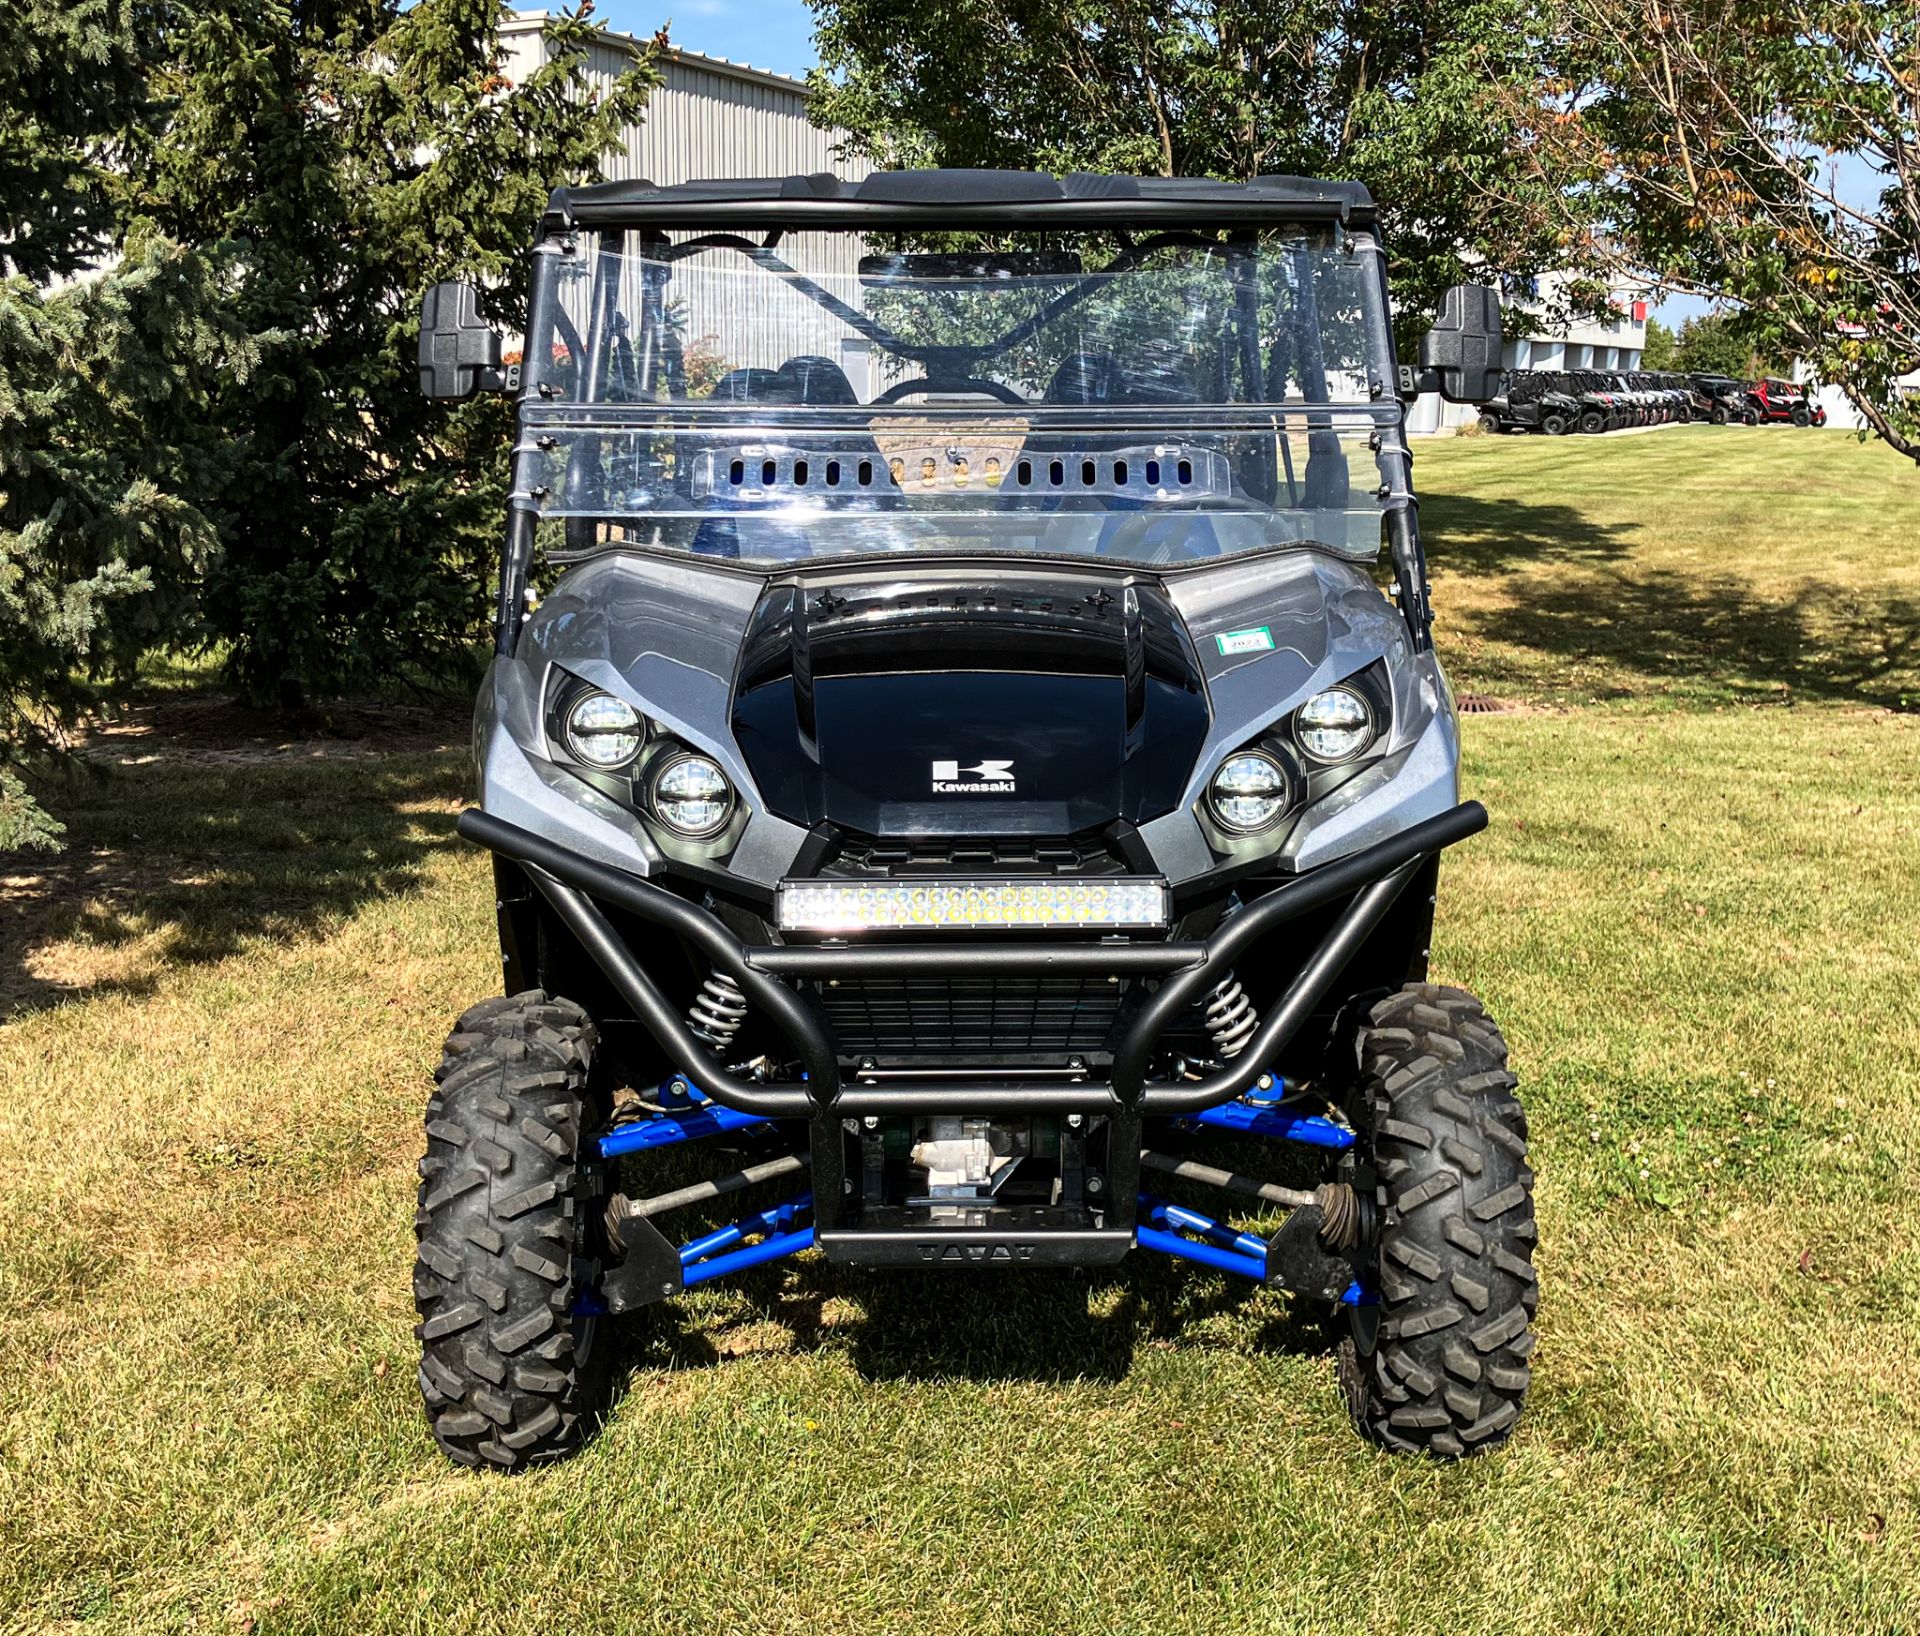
717	1011
1230	1017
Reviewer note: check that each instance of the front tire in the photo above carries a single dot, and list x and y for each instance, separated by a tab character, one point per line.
1554	425
1801	415
1440	1366
1593	421
512	1369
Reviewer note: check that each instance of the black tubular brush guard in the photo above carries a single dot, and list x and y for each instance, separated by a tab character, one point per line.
1372	878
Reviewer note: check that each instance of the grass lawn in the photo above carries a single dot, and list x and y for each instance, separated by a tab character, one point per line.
1696	915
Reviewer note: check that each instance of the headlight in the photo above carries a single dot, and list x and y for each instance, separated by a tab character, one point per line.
691	796
603	731
1248	792
1335	725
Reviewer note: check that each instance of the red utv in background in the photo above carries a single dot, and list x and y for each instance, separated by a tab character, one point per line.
1778	400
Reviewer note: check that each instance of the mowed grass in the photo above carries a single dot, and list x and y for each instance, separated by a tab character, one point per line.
1696	918
1693	565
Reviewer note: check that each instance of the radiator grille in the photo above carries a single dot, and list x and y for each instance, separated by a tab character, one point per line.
973	1016
860	855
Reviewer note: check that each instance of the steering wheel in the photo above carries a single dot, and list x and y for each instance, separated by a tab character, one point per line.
951	383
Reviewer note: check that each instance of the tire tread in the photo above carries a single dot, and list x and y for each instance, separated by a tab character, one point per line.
1448	1374
500	1253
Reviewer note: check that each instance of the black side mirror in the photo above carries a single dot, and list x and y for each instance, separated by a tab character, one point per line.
459	350
1461	353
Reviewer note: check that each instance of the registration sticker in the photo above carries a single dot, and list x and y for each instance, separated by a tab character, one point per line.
1257	640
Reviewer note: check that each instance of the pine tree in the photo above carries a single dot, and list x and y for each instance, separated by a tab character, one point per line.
105	387
218	437
346	154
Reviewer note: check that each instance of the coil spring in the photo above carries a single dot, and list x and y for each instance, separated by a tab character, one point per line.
1230	1017
717	1011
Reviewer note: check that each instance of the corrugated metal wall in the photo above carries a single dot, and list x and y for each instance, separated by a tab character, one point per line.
706	119
715	119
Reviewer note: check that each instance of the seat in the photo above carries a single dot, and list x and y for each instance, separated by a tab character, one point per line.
817	380
802	382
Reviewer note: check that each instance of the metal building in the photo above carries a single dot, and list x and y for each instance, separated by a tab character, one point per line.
709	117
712	118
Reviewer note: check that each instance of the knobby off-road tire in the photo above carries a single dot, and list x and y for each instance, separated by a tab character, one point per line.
1592	422
1445	1372
507	1226
1554	425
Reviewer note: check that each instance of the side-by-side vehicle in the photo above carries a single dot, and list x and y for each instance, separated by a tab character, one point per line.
966	771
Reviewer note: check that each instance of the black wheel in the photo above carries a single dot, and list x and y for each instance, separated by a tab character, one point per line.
1440	1365
1554	425
1801	416
1750	418
1593	421
512	1369
1719	416
1490	424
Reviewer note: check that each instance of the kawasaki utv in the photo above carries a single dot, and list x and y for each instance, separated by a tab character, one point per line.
1603	407
1532	402
958	795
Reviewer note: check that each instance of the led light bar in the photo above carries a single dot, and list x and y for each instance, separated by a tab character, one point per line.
993	905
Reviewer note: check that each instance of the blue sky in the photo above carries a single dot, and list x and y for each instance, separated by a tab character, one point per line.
776	34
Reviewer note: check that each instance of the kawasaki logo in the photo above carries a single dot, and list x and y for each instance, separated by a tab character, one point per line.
983	778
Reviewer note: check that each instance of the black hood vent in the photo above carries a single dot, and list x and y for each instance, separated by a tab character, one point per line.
1040	702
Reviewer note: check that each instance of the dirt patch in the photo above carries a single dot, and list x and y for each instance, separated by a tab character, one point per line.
218	730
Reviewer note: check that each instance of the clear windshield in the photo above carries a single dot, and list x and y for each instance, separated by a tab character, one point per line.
1183	398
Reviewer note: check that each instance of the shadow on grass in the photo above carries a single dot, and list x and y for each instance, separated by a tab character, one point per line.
1047	1325
1470	535
170	864
1659	627
1717	632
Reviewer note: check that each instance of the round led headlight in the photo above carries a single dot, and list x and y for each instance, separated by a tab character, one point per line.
1335	725
691	796
603	731
1248	792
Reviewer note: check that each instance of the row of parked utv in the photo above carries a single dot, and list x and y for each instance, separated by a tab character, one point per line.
1594	400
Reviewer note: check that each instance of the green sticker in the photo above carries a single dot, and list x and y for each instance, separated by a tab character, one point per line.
1257	640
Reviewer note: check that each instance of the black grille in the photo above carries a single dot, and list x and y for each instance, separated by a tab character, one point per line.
997	1016
1037	855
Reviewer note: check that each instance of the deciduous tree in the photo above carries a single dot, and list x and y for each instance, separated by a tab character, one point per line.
1766	151
1424	103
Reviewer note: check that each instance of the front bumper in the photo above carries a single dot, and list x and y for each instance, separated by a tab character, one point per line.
841	1113
1369	880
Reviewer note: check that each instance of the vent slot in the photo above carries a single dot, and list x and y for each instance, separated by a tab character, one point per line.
771	474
